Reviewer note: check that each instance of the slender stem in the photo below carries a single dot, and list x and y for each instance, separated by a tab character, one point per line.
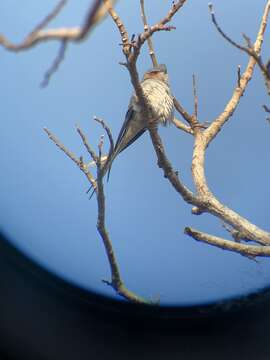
244	249
149	40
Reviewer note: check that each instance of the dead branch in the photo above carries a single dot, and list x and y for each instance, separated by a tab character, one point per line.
116	281
239	75
251	50
49	17
181	126
149	40
203	200
70	155
109	134
251	251
194	85
55	65
217	124
189	119
88	147
96	13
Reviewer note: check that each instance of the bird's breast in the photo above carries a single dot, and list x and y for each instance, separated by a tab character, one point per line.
160	99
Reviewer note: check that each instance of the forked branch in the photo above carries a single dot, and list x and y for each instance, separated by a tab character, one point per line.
252	50
95	14
203	200
97	11
97	184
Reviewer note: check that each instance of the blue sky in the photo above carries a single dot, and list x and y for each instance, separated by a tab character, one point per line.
44	209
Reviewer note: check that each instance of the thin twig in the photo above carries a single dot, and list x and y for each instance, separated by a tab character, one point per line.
250	251
266	109
252	50
96	13
91	18
236	234
238	92
195	96
189	119
100	148
180	125
108	131
176	6
88	147
61	146
55	65
239	75
120	25
70	155
159	26
116	282
222	33
149	40
52	15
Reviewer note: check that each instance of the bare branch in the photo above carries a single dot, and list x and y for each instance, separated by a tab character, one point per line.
183	112
120	25
180	125
149	40
116	282
176	6
266	108
62	147
89	149
217	124
55	65
69	154
49	17
100	148
95	14
160	26
203	200
108	131
195	96
169	172
236	234
239	75
91	18
250	251
210	204
222	33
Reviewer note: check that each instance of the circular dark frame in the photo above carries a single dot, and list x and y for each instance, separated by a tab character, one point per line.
118	308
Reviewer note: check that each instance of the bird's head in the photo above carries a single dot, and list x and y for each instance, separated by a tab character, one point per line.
158	72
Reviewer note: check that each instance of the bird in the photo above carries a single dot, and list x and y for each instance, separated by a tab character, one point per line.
156	89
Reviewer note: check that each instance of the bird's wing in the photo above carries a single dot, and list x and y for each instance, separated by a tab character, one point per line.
125	126
121	137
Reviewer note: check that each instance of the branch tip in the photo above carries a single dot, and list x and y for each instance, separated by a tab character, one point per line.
211	8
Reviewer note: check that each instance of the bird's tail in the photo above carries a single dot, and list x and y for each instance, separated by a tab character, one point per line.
108	164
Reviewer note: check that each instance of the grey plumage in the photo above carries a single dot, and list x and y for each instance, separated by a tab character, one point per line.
156	89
